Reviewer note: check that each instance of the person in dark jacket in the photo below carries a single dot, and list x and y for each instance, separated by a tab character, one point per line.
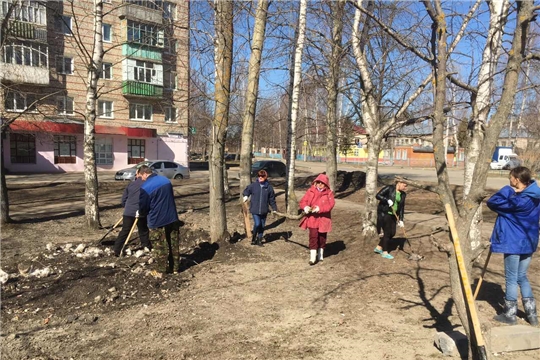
391	203
516	236
262	197
130	203
317	203
156	203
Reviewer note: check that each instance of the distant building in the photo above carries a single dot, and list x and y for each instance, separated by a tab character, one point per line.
142	110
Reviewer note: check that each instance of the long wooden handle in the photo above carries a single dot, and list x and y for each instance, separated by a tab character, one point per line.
477	290
247	224
129	235
465	278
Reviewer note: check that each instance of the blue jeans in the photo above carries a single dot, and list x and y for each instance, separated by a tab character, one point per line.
258	224
515	273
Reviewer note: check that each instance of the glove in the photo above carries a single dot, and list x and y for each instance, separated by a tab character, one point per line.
137	214
390	203
245	198
307	209
315	209
400	224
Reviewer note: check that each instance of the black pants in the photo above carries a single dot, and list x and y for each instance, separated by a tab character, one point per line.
388	224
127	224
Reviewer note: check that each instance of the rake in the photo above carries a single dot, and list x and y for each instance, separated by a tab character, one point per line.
413	255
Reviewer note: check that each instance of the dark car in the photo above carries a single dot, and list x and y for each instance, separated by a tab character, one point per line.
231	157
513	162
274	168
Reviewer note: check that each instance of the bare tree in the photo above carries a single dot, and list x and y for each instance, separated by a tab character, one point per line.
332	88
252	92
91	203
223	24
294	90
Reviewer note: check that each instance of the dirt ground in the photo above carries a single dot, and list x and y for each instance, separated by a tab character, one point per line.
68	297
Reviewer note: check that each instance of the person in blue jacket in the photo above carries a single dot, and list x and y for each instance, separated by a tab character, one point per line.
516	236
262	196
130	202
156	203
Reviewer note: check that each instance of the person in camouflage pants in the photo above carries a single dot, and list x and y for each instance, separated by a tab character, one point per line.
166	242
156	202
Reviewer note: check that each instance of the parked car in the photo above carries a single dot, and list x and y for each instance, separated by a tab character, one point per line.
166	168
274	168
513	162
231	157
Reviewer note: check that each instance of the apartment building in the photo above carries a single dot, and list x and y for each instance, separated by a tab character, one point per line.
142	101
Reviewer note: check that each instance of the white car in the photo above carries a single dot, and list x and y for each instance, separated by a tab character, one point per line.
166	168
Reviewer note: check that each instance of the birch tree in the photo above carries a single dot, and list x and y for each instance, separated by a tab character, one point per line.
252	93
91	203
332	87
294	91
375	121
223	43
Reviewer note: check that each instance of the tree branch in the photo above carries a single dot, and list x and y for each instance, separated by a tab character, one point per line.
418	185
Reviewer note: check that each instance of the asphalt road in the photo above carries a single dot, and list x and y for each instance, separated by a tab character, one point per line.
496	179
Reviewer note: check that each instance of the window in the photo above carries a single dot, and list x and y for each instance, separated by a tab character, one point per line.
140	112
63	24
106	71
104	151
105	109
23	148
169	10
404	155
64	65
26	53
144	71
136	151
28	11
107	32
170	114
170	45
19	102
65	105
169	80
145	34
65	149
151	4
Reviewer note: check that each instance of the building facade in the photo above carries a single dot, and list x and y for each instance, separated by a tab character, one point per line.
143	87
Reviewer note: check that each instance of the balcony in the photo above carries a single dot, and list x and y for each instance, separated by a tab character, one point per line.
23	74
26	30
140	13
141	51
135	88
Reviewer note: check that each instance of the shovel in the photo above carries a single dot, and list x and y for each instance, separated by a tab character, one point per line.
129	235
108	232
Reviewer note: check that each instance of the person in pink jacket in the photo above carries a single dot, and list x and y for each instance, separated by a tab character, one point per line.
317	203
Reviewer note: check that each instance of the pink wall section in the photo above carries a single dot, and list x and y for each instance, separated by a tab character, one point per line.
156	149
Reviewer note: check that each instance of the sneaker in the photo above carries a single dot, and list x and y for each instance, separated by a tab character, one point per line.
387	256
377	250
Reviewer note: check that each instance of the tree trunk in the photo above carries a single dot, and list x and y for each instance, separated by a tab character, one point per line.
369	220
223	65
4	200
91	204
296	72
333	91
251	93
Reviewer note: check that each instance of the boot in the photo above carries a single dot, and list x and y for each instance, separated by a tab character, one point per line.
320	254
508	315
254	238
258	242
312	257
529	305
